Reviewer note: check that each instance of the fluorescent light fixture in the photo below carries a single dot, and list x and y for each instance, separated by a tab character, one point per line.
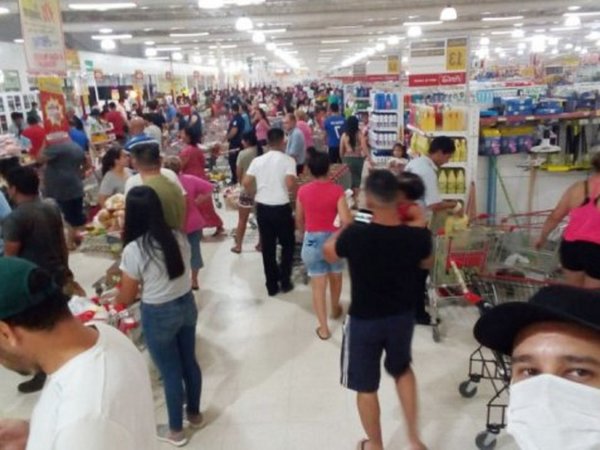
380	47
405	59
168	49
244	24
484	41
558	29
108	44
105	6
572	21
501	55
150	52
598	43
229	46
271	46
518	33
159	58
210	4
574	8
498	50
212	62
275	30
540	30
501	18
330	50
115	37
577	48
149	42
554	51
258	37
105	30
422	24
18	41
521	45
335	41
568	46
583	14
593	36
4	10
393	40
177	56
501	33
553	41
483	52
538	44
370	51
345	27
520	52
584	51
448	13
285	44
414	31
183	35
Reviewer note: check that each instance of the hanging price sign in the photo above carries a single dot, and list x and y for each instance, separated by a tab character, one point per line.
456	54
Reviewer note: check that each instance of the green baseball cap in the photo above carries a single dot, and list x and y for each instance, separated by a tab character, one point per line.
15	294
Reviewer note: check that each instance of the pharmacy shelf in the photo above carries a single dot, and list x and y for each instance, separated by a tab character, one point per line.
455	165
491	121
432	134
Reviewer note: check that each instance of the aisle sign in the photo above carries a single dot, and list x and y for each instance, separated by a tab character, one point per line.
440	62
72	59
41	24
456	55
53	104
393	62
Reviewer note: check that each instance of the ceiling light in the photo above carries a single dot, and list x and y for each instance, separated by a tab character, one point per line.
101	6
448	13
335	41
405	59
177	56
484	41
196	59
422	24
583	14
540	30
553	41
380	47
501	18
521	45
244	24
574	8
18	41
159	58
598	43
538	44
168	49
271	46
520	24
258	37
593	36
284	44
182	35
414	31
498	50
555	29
210	4
501	33
483	52
577	48
568	46
518	33
112	36
572	21
554	51
370	51
149	43
584	51
393	40
151	52
275	30
212	62
105	30
228	46
330	50
4	10
108	44
345	27
501	55
520	52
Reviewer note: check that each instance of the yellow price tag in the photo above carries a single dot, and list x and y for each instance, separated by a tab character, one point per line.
456	58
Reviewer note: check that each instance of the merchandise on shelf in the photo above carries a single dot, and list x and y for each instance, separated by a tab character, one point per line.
438	117
506	140
385	101
452	181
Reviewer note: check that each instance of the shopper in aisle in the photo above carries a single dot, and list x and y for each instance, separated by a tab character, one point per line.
89	401
411	189
354	151
382	311
296	146
441	150
33	112
252	149
16	126
152	131
234	137
196	121
137	134
119	125
156	115
198	192
580	246
272	177
304	127
334	125
318	204
261	125
193	162
65	164
73	119
78	135
156	256
36	135
4	212
246	117
554	344
115	173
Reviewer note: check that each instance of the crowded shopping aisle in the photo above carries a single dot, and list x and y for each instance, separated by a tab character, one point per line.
269	383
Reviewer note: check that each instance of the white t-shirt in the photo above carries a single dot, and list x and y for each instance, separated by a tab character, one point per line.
136	180
154	132
152	273
270	171
427	170
101	399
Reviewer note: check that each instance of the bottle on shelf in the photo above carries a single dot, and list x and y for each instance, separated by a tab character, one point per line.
451	182
443	182
461	186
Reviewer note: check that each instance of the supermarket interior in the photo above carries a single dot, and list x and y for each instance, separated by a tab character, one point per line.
371	208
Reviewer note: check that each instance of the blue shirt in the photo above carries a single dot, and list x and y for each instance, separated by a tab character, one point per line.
247	123
80	138
171	113
334	128
4	212
138	139
296	146
236	141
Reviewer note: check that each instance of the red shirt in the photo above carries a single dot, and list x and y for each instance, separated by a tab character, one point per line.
118	123
37	135
193	161
319	200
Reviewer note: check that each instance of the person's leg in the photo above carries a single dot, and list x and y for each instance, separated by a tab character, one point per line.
196	262
243	214
369	412
269	247
335	289
422	316
233	166
287	240
319	292
406	387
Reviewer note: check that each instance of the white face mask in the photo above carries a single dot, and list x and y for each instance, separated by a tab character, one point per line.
547	412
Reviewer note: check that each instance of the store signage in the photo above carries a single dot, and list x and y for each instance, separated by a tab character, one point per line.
138	75
456	55
98	74
53	104
89	65
437	79
367	78
359	69
440	62
41	24
393	63
72	58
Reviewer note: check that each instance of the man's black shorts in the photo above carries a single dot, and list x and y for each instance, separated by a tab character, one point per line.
365	340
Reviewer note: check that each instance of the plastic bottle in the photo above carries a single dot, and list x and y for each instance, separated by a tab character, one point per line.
460	182
443	182
451	182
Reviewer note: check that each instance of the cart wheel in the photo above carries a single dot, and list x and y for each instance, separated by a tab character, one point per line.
467	389
485	441
437	337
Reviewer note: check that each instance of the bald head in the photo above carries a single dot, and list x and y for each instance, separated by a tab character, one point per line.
137	125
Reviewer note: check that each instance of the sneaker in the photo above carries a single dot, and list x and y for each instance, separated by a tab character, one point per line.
34	385
176	439
196	421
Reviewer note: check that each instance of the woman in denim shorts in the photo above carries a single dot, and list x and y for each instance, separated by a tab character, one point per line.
318	204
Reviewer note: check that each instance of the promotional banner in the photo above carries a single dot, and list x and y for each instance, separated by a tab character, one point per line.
53	104
44	42
438	62
72	60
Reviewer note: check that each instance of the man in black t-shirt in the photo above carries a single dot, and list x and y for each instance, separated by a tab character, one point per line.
234	136
385	259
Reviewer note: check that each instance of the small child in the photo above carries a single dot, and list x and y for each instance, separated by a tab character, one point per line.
411	189
399	159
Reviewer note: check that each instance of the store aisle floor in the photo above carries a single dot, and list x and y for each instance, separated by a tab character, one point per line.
271	384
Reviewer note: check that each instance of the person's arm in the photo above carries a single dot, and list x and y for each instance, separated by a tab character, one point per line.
13	434
444	205
299	216
417	217
232	133
128	292
343	145
561	211
344	212
428	257
249	184
238	167
364	145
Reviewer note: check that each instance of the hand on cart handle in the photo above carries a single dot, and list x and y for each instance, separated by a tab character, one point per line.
540	243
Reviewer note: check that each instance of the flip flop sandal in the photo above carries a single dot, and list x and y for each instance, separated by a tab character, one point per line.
236	250
321	337
361	444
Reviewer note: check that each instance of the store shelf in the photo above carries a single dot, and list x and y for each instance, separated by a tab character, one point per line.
362	110
385	111
363	99
453	196
452	134
455	165
491	121
384	129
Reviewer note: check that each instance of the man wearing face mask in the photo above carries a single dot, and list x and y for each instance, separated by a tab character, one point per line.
554	343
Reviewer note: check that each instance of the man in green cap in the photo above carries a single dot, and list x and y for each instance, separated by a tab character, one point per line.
89	400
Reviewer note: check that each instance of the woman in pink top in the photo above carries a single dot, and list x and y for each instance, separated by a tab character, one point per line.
261	126
317	205
192	163
304	127
580	247
198	192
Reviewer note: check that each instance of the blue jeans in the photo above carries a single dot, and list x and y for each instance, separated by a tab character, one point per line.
170	332
194	239
312	255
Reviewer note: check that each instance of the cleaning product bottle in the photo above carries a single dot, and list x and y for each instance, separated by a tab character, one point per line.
460	182
443	182
451	182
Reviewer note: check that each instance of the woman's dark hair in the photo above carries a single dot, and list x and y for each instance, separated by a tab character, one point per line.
110	158
263	115
403	148
24	179
411	185
193	135
7	164
351	129
145	222
252	140
318	162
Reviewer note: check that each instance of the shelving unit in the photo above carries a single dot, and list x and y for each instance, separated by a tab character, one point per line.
491	121
14	102
384	124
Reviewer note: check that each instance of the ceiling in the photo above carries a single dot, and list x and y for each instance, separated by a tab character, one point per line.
318	34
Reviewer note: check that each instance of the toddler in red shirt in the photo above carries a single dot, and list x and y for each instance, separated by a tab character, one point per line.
412	190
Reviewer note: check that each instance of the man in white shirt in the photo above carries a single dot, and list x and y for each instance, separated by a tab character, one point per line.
98	393
273	176
441	150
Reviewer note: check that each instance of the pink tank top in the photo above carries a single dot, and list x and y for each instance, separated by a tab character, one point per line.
584	221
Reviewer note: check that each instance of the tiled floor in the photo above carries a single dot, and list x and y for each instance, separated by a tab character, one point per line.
270	384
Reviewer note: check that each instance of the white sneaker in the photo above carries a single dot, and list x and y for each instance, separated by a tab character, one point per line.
164	434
